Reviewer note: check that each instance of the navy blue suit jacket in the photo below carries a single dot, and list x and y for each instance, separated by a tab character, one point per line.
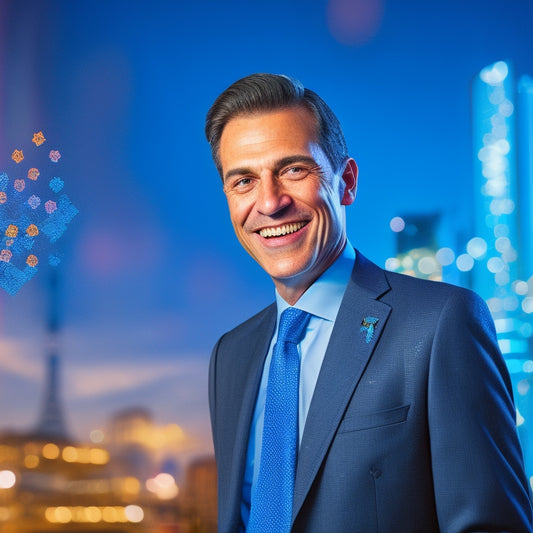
412	431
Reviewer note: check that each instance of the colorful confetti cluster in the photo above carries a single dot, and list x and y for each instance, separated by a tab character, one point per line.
33	215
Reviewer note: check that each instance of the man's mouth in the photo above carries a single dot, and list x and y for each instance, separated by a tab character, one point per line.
280	231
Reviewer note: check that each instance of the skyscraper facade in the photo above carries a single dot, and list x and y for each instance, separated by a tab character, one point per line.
502	113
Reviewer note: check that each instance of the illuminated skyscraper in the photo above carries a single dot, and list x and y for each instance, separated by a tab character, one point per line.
525	172
502	133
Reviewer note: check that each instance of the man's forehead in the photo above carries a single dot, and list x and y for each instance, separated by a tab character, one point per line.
299	116
261	141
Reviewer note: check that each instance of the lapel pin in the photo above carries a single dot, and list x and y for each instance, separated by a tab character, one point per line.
367	326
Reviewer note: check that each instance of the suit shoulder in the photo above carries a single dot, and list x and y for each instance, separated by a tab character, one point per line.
441	288
393	285
421	293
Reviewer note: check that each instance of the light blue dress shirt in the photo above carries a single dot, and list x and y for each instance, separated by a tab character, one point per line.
322	301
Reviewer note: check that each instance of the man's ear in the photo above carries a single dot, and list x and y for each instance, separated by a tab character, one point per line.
349	177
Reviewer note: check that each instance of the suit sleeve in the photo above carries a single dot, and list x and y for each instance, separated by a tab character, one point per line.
479	478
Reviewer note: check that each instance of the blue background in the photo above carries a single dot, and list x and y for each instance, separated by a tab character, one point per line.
152	273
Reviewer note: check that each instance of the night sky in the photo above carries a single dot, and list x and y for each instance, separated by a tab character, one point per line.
151	273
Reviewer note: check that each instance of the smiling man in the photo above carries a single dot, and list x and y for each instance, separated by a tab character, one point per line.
361	400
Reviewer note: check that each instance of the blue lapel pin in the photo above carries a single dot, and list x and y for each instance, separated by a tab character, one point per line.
367	326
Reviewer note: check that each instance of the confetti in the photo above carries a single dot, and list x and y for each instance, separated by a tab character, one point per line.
59	219
29	229
6	255
54	156
56	184
32	230
38	138
12	231
32	260
50	206
17	156
34	201
33	174
12	278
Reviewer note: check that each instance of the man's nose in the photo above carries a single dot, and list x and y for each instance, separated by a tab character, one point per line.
271	196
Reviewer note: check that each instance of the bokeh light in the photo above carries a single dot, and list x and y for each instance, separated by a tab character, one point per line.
7	479
445	256
495	74
465	262
476	247
397	224
354	22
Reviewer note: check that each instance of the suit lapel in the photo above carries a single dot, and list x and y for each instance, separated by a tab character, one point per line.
357	329
253	353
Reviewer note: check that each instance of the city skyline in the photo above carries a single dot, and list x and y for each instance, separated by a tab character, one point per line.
151	274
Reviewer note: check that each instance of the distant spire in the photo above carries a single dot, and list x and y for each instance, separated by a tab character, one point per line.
51	423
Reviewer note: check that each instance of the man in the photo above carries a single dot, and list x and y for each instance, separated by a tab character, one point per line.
398	414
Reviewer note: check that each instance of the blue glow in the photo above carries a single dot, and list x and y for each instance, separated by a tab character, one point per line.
495	74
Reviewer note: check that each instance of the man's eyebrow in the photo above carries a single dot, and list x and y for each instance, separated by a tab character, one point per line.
278	165
292	159
236	172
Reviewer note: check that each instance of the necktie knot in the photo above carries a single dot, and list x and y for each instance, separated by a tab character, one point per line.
292	325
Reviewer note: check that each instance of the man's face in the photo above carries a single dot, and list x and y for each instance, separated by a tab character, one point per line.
285	202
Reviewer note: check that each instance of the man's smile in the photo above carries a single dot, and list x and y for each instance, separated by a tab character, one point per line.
279	231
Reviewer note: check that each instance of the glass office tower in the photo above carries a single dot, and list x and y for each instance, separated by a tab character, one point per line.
502	125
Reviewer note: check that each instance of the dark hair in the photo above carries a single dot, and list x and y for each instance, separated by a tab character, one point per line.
268	92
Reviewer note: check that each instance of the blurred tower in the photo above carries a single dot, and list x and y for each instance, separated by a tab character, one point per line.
51	423
496	182
525	172
502	134
130	439
502	210
201	490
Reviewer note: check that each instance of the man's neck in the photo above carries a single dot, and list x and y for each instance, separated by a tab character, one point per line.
291	289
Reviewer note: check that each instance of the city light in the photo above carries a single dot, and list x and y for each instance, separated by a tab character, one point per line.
397	224
495	74
51	451
94	514
97	436
134	513
465	262
445	256
163	486
7	479
477	247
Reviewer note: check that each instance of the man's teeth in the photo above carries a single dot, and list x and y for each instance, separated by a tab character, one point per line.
281	230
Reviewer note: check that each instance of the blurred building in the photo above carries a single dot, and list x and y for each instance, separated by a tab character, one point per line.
416	246
49	482
420	251
502	112
126	480
497	260
201	487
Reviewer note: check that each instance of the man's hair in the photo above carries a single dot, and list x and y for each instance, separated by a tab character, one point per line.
259	93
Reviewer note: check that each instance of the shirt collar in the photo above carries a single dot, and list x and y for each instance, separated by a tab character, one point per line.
323	298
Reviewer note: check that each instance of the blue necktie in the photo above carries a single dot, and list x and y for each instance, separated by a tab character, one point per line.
271	506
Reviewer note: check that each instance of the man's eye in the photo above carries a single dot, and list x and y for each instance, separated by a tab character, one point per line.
295	172
241	184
